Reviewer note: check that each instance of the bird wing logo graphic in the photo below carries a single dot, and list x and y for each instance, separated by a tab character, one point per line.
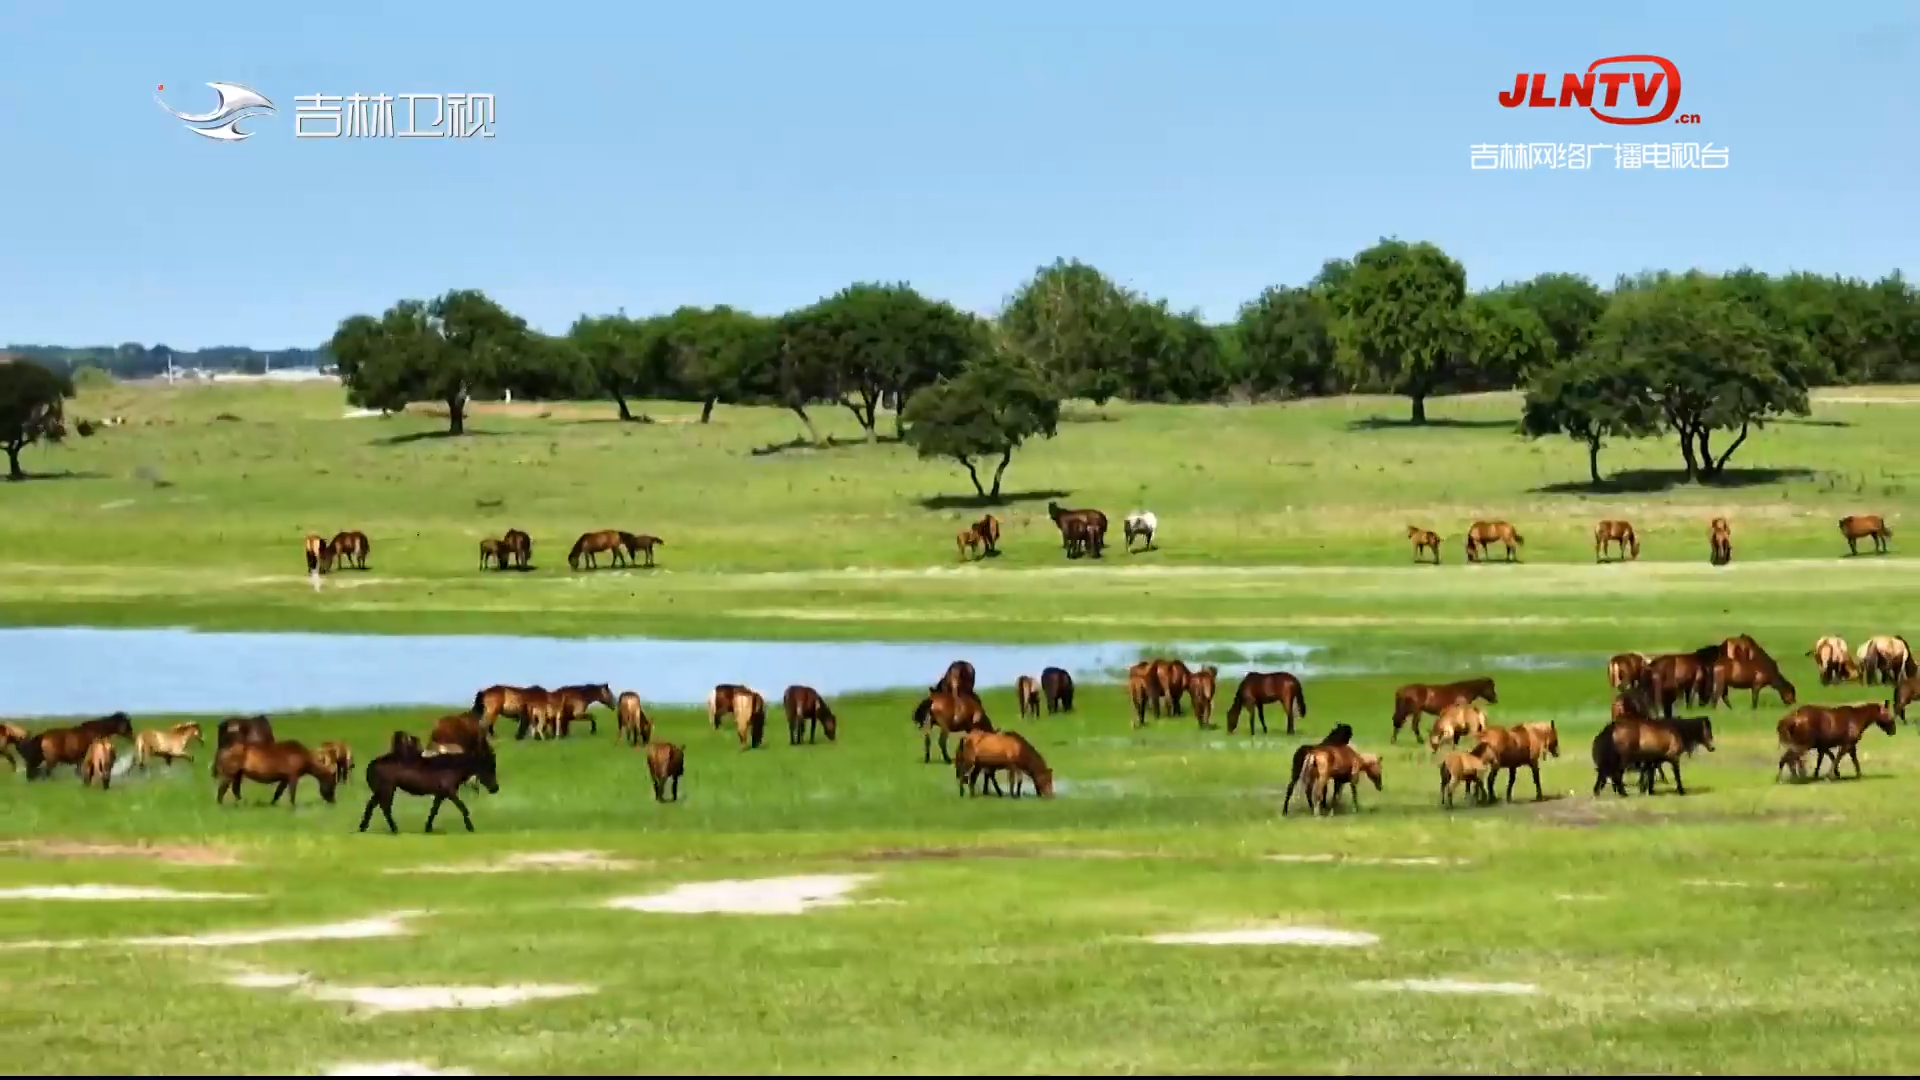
237	103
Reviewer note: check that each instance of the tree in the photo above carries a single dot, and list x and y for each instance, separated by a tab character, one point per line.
869	342
1712	364
626	358
997	402
721	354
1285	347
1507	341
1399	321
32	409
1074	323
1591	401
1171	356
1567	304
446	350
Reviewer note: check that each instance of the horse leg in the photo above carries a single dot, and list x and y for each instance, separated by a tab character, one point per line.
277	792
944	756
366	815
454	798
926	747
1537	793
1513	773
434	810
1854	753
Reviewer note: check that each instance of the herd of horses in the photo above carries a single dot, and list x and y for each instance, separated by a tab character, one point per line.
511	551
1482	535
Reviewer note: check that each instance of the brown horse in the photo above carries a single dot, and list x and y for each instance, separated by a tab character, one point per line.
1460	768
1093	524
1830	732
97	765
1835	661
460	731
957	679
1615	532
1257	690
807	713
1202	687
1026	691
1626	670
641	544
1858	526
591	544
1329	768
1484	534
577	702
666	764
1172	679
951	714
1008	750
1681	677
1743	647
1415	700
520	546
495	550
509	701
1340	735
1756	675
1510	748
279	763
351	547
968	543
1719	542
1904	694
320	554
632	719
749	717
1886	658
1142	690
438	775
1454	722
988	530
1633	703
1057	685
1424	540
68	746
720	702
1646	745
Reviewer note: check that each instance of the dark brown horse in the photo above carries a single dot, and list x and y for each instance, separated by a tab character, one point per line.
494	550
278	763
1257	690
351	548
1674	678
1415	700
957	679
1172	678
1646	745
988	530
1057	685
520	546
807	713
1831	732
950	714
1424	540
1857	527
1341	735
320	554
1484	534
591	544
1756	675
1093	522
641	544
1719	542
666	764
1615	532
576	703
68	746
1204	684
438	775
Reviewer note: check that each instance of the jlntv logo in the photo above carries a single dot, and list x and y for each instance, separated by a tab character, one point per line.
1654	79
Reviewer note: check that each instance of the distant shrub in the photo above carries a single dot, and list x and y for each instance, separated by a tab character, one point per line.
90	377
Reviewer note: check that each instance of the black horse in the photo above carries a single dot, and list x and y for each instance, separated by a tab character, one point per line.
438	775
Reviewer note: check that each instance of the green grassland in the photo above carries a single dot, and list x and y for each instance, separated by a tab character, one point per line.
1748	927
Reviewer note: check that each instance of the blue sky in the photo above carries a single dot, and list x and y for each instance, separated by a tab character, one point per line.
760	154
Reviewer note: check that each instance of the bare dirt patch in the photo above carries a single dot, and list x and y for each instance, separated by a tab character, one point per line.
1369	860
1320	936
391	1068
522	862
1451	986
181	854
929	854
390	999
762	896
113	892
389	925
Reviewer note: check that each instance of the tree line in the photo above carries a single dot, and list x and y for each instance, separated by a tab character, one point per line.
132	360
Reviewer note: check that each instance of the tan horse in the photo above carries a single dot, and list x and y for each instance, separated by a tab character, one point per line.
1859	526
495	550
97	766
169	746
1886	658
749	717
1171	678
1484	534
1834	659
1142	690
1329	768
320	554
1414	700
499	700
632	719
1204	684
988	530
1461	768
1510	748
1026	690
666	764
951	714
968	542
1424	540
351	548
1615	532
1720	542
720	702
342	757
1456	721
11	737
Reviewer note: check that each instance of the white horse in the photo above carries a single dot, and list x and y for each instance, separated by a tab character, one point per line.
1141	523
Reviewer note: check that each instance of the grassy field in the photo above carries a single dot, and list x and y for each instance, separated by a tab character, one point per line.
1747	927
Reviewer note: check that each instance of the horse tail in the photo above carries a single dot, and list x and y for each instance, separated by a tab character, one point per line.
1293	780
1300	695
923	712
479	702
1518	539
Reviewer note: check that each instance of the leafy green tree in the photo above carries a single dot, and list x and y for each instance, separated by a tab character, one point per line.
722	354
32	409
999	400
868	343
1285	347
1172	356
1400	321
1590	401
1567	304
446	350
625	358
1075	323
1508	341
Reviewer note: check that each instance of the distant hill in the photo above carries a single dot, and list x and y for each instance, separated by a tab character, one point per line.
133	360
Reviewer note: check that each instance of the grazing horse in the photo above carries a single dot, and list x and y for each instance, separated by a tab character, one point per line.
641	544
632	719
1140	523
952	714
1903	695
1455	721
807	713
1142	689
577	702
352	548
320	554
1057	685
1341	735
1858	526
957	679
1831	732
1615	532
1484	534
1203	685
1008	750
749	717
1720	542
97	765
495	550
1172	679
1092	522
1681	677
720	702
1510	748
1424	540
1627	670
1646	745
1886	658
520	546
169	746
1835	661
1462	768
1026	691
279	763
1329	768
968	543
591	544
988	530
666	764
439	775
1257	690
1414	700
1755	675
